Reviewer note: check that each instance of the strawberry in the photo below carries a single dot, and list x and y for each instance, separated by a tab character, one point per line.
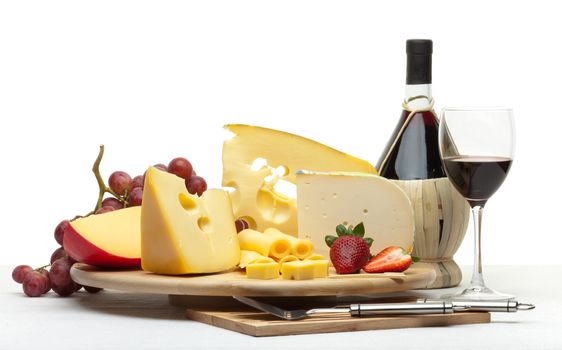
390	259
349	251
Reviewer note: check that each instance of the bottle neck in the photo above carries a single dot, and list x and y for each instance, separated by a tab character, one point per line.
418	96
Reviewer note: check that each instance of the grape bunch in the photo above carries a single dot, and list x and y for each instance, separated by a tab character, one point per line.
125	192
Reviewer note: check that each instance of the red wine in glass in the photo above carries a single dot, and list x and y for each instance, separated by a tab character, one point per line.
477	178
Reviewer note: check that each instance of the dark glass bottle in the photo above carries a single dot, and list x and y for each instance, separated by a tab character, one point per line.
412	152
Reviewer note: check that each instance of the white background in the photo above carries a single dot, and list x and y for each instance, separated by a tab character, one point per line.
156	80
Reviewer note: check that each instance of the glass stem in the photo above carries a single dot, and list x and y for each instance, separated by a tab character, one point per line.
477	278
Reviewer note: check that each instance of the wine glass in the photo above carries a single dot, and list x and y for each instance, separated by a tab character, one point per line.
476	146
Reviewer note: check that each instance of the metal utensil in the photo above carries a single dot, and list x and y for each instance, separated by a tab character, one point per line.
443	307
490	306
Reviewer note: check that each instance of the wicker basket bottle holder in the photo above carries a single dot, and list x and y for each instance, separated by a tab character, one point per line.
441	219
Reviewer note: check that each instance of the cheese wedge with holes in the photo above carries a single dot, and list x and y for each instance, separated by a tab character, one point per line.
183	233
257	195
329	199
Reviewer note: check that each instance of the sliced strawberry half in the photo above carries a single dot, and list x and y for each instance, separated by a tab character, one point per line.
390	259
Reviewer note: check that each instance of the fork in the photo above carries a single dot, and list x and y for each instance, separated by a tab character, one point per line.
444	307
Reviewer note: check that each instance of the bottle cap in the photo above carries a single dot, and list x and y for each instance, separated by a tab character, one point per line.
419	47
418	69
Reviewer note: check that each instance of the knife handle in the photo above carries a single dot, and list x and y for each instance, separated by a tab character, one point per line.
401	309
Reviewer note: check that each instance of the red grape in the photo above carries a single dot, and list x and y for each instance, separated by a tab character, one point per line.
241	225
92	289
161	166
196	184
135	198
34	284
104	210
180	167
120	182
138	181
57	254
59	231
20	271
60	273
64	291
45	273
112	202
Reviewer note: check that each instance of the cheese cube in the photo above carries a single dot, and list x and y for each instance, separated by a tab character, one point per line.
304	269
182	233
263	271
250	257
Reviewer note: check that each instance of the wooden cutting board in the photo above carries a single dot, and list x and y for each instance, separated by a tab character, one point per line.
243	319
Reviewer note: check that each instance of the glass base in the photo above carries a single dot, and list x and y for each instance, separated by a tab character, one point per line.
478	293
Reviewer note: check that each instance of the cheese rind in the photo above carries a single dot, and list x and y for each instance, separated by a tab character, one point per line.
301	248
183	233
329	199
263	271
254	197
266	245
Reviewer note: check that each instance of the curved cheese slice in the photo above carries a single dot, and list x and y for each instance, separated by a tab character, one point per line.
255	197
301	248
287	259
182	233
250	257
329	199
264	244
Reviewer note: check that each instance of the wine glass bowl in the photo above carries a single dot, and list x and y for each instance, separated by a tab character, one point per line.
476	147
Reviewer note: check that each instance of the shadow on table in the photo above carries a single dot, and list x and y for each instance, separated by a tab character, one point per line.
152	306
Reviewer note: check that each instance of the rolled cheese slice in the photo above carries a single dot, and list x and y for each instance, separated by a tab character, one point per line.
301	248
287	259
315	256
248	257
266	245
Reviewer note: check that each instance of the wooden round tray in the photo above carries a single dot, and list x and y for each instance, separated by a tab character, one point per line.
236	283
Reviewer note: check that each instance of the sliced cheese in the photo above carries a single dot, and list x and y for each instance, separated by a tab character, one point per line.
329	199
315	256
257	161
266	245
183	233
301	248
263	271
304	269
250	257
287	259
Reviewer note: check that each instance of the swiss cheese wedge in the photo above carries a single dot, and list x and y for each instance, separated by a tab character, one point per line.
183	233
257	160
329	199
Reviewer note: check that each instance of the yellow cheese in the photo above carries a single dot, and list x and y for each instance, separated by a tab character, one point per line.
287	259
250	257
315	256
263	271
256	197
264	244
320	268
302	270
301	248
329	199
183	233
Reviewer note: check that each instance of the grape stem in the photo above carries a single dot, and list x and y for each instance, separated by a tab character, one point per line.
103	188
42	267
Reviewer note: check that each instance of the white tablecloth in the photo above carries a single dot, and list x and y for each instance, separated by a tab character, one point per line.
116	320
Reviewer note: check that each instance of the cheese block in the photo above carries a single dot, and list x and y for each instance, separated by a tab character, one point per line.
112	239
301	248
183	233
258	161
250	257
266	245
329	199
304	269
263	271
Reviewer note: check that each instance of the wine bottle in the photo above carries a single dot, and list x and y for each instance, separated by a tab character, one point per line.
413	150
